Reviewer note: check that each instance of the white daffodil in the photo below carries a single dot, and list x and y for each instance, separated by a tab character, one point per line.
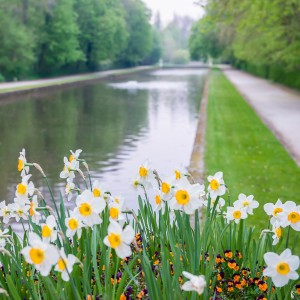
89	207
281	268
22	163
220	204
160	203
69	169
187	197
19	210
236	213
290	215
216	185
5	212
42	255
166	188
25	188
179	173
195	283
277	234
65	264
74	155
70	187
145	175
119	239
274	210
33	213
98	190
116	206
247	202
74	225
49	234
135	183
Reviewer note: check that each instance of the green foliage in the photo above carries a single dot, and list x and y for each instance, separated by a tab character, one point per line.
181	56
140	34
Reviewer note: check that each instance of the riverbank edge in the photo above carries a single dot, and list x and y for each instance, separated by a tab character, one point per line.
197	165
69	81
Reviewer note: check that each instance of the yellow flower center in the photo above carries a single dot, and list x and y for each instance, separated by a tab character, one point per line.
31	209
237	214
294	217
96	192
245	203
157	199
73	224
283	268
21	188
20	165
62	264
136	183
165	187
114	212
114	240
177	174
37	255
143	172
46	231
85	209
117	200
277	210
20	212
278	232
214	184
182	197
71	157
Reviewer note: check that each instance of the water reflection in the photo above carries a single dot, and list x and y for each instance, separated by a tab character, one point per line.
116	129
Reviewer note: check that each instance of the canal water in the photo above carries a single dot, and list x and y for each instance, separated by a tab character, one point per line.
118	124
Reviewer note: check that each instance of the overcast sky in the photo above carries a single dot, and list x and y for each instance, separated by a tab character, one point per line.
168	8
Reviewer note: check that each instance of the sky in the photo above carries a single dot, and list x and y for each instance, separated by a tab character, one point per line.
168	8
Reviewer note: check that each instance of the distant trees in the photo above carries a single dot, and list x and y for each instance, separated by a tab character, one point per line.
260	36
50	37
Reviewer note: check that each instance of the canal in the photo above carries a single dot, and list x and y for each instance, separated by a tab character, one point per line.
118	124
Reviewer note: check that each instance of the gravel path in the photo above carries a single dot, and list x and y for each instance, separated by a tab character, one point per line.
278	107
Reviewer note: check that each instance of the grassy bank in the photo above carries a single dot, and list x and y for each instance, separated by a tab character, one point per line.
240	145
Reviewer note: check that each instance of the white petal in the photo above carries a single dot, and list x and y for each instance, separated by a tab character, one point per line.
127	235
123	250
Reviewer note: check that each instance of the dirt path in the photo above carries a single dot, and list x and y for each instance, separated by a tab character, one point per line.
278	107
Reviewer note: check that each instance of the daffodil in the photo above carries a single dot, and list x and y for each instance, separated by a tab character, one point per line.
160	204
187	197
290	215
25	188
248	202
19	210
70	187
5	212
216	185
195	283
74	155
179	173
145	175
49	232
65	264
33	213
42	255
167	188
69	168
277	234
98	190
22	167
74	225
236	213
116	206
119	239
274	210
88	208
281	268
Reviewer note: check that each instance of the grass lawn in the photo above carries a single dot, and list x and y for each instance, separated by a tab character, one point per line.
240	145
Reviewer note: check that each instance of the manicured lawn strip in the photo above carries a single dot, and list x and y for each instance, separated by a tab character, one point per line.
240	145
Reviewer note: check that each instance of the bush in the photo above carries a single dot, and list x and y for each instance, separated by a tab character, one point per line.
181	57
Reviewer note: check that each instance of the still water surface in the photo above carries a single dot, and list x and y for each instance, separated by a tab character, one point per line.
118	124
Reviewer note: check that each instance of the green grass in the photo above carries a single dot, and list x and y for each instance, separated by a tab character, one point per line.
240	145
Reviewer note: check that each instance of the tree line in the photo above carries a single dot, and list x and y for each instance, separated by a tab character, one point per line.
42	38
262	37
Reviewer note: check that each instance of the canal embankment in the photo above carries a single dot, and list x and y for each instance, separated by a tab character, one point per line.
32	88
